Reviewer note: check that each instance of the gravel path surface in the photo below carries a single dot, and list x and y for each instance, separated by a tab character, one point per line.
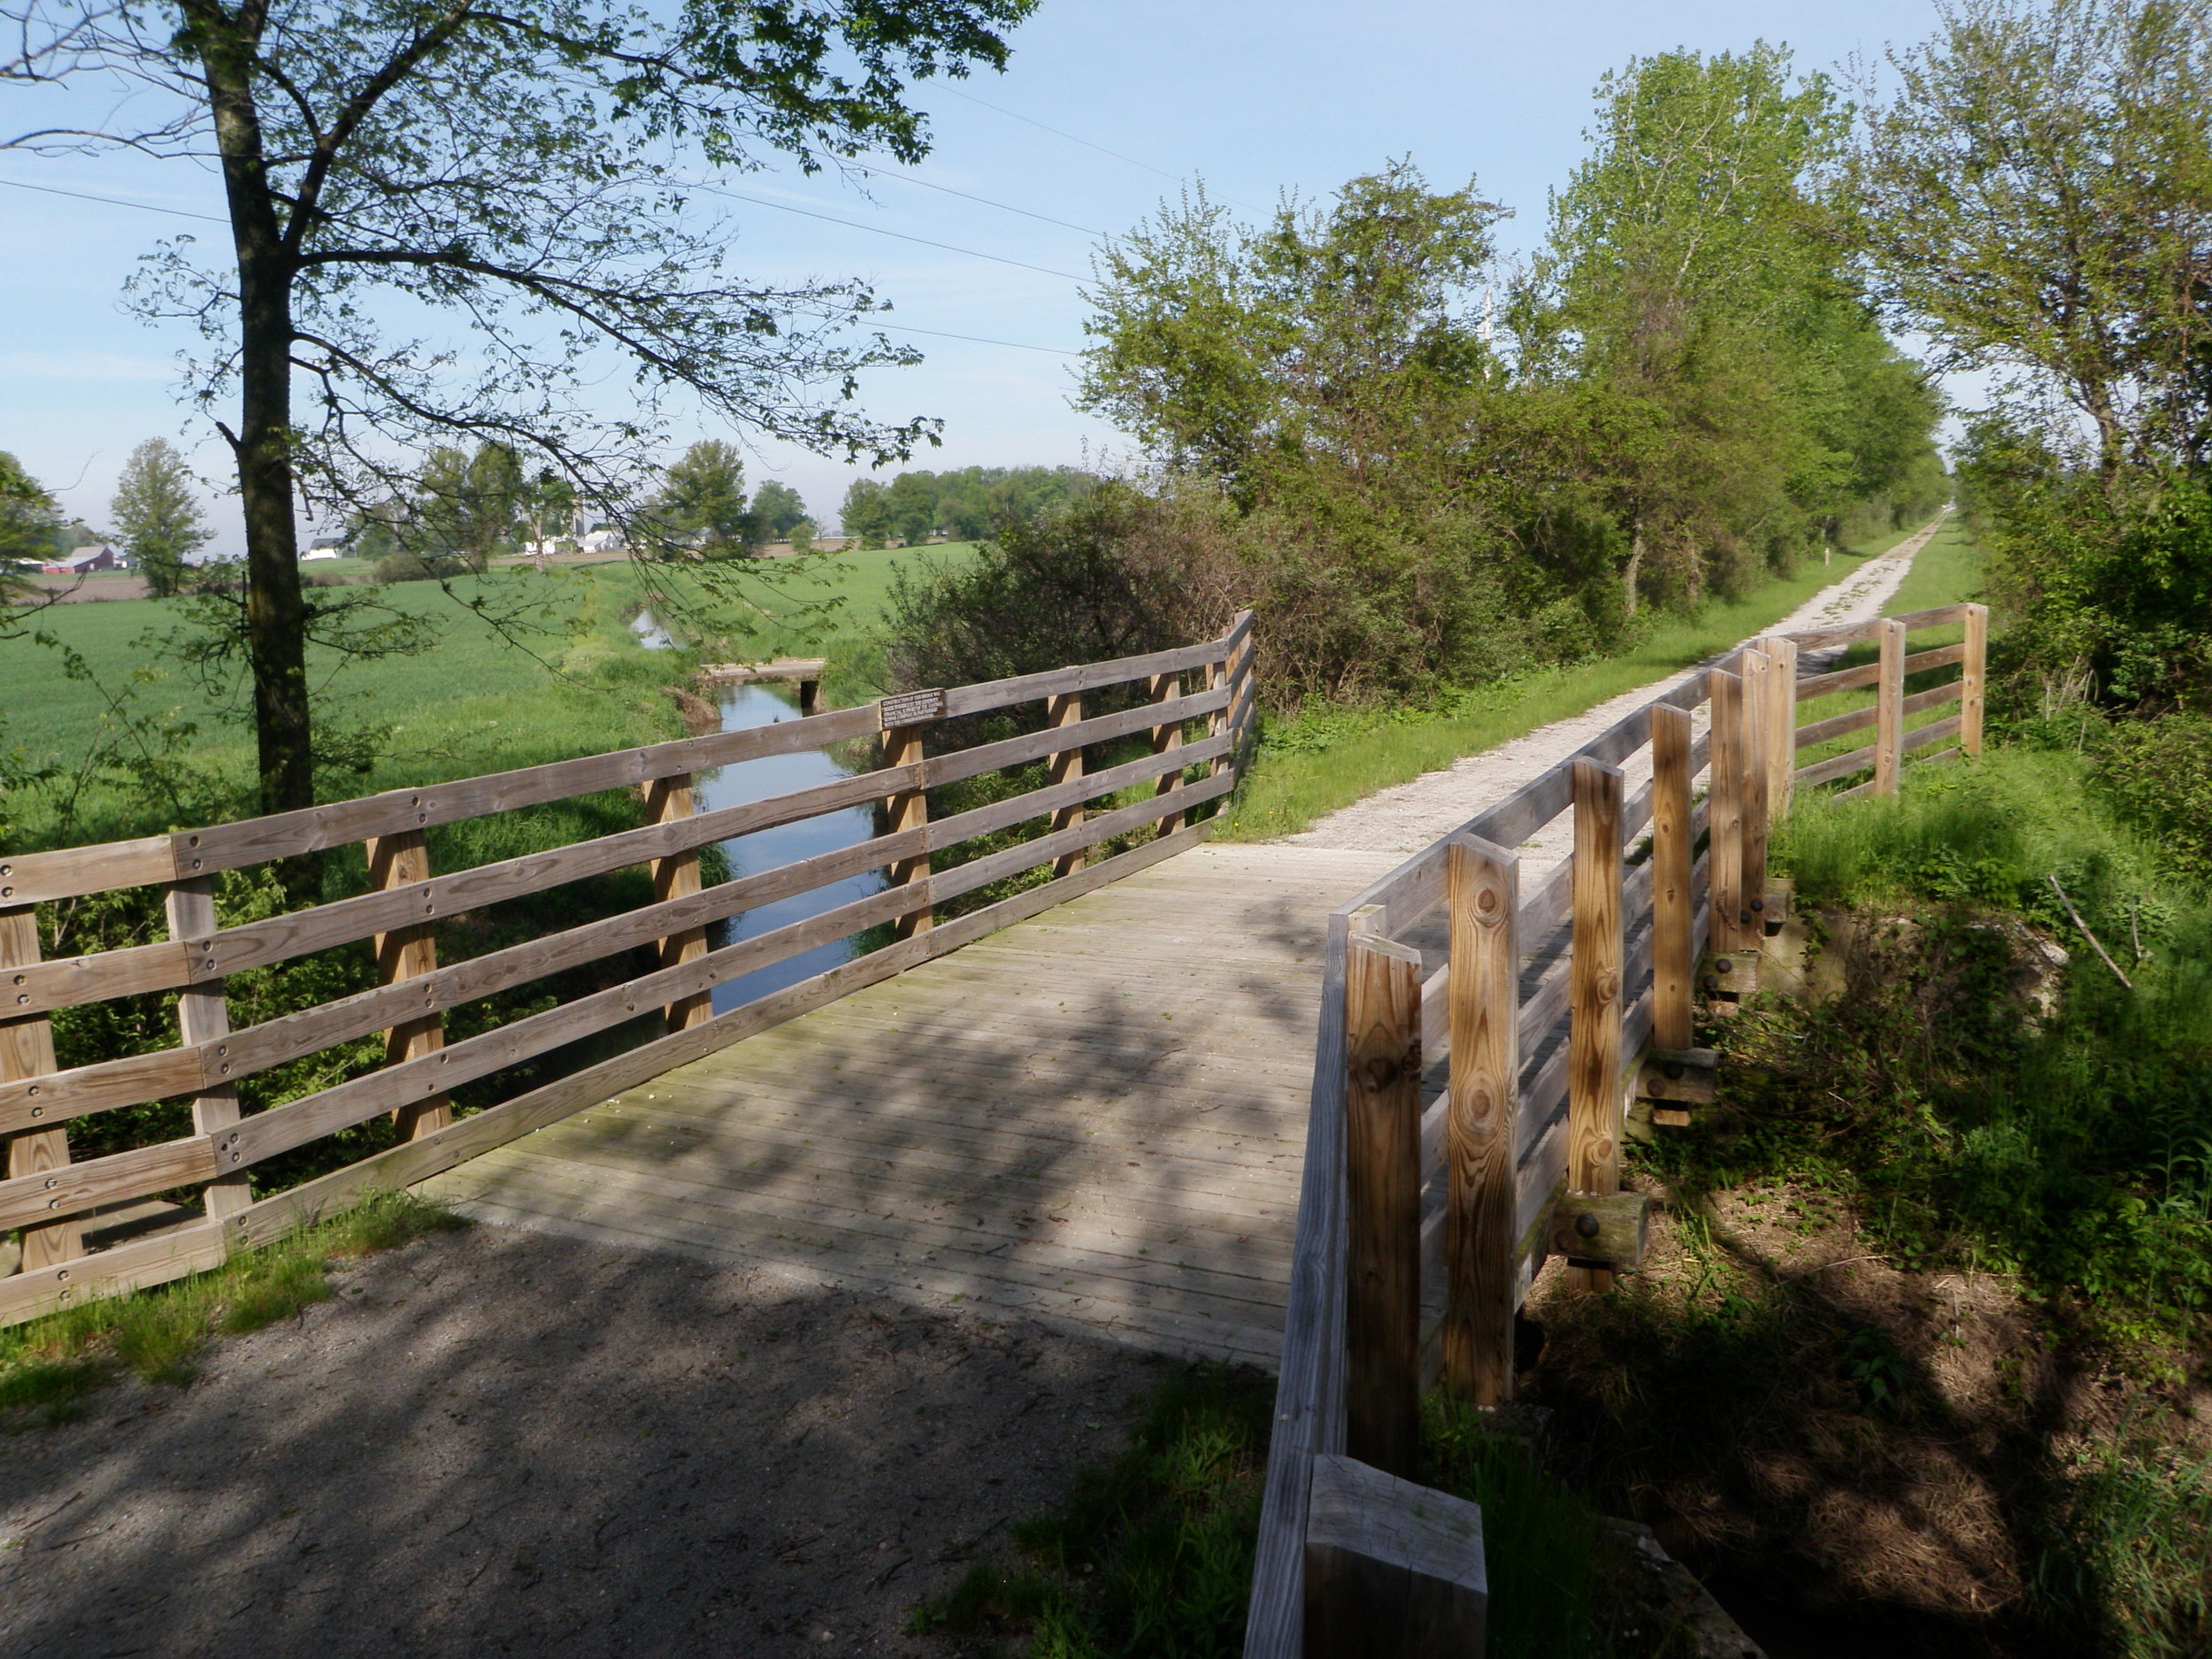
1408	817
494	1441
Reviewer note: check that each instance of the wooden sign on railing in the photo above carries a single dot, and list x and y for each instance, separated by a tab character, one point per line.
46	1194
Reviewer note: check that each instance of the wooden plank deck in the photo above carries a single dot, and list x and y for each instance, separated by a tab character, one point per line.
1095	1119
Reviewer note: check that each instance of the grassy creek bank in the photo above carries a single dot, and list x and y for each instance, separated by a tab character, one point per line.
1920	1364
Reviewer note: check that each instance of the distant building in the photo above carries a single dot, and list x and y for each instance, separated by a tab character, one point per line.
84	560
325	546
601	541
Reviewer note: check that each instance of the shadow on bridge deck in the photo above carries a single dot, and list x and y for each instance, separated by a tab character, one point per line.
1093	1120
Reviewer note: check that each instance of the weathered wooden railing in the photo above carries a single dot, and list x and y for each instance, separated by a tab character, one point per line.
47	1196
1478	1047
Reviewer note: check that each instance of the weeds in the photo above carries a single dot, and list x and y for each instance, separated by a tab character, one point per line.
48	1365
1150	1557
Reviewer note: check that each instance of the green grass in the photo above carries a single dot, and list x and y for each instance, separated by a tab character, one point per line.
48	1365
1946	571
1328	758
1150	1557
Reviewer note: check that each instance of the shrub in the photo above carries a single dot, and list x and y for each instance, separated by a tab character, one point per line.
2159	774
416	567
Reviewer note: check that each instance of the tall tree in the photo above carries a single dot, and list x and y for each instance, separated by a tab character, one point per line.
470	505
527	166
157	515
2036	195
702	503
28	519
778	509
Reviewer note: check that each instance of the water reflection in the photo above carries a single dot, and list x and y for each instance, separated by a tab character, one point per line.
745	706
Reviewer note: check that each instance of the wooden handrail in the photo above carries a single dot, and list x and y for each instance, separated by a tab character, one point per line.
1597	977
38	1099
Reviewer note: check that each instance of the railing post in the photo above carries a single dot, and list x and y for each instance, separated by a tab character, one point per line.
397	861
1889	713
1482	904
908	810
668	799
1758	702
1065	709
1725	823
202	1016
1594	1104
1973	675
1781	727
1382	1047
1165	740
27	1050
1673	904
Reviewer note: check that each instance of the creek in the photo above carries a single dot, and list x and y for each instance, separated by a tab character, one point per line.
742	708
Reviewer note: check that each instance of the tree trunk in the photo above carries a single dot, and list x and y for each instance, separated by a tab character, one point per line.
1635	567
276	617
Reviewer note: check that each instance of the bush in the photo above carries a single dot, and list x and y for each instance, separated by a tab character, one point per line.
416	567
2159	774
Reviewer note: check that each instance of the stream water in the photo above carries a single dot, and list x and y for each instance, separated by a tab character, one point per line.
744	707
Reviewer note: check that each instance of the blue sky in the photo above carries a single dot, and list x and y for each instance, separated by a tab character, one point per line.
1258	98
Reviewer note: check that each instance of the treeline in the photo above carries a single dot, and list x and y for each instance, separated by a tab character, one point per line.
963	506
1423	472
2038	199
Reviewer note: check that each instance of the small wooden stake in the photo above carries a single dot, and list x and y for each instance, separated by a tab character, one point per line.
1724	790
1382	1038
1974	673
1889	719
1483	906
1165	739
1067	764
1595	1099
27	1050
398	861
905	810
203	1015
1758	708
1673	904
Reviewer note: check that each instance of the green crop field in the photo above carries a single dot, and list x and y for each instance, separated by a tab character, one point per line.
562	675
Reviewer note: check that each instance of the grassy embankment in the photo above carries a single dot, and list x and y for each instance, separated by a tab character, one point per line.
48	1364
1328	758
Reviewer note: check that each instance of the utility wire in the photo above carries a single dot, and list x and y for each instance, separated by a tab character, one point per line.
850	224
113	201
1018	345
1071	138
1007	207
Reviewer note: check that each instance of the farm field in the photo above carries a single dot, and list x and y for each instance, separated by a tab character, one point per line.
562	674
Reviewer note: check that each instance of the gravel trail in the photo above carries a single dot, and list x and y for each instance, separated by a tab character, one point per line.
1409	816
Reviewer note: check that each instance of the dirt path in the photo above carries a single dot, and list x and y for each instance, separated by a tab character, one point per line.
1408	817
494	1441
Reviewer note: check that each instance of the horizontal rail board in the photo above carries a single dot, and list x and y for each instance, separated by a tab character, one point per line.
1930	698
296	1123
1835	767
34	878
1858	632
1942	657
1836	725
72	981
1935	731
204	1245
1814	686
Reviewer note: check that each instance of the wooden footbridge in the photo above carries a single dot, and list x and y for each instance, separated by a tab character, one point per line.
1282	1104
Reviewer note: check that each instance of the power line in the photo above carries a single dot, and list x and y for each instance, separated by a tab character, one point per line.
1071	138
113	201
975	339
849	224
1007	207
